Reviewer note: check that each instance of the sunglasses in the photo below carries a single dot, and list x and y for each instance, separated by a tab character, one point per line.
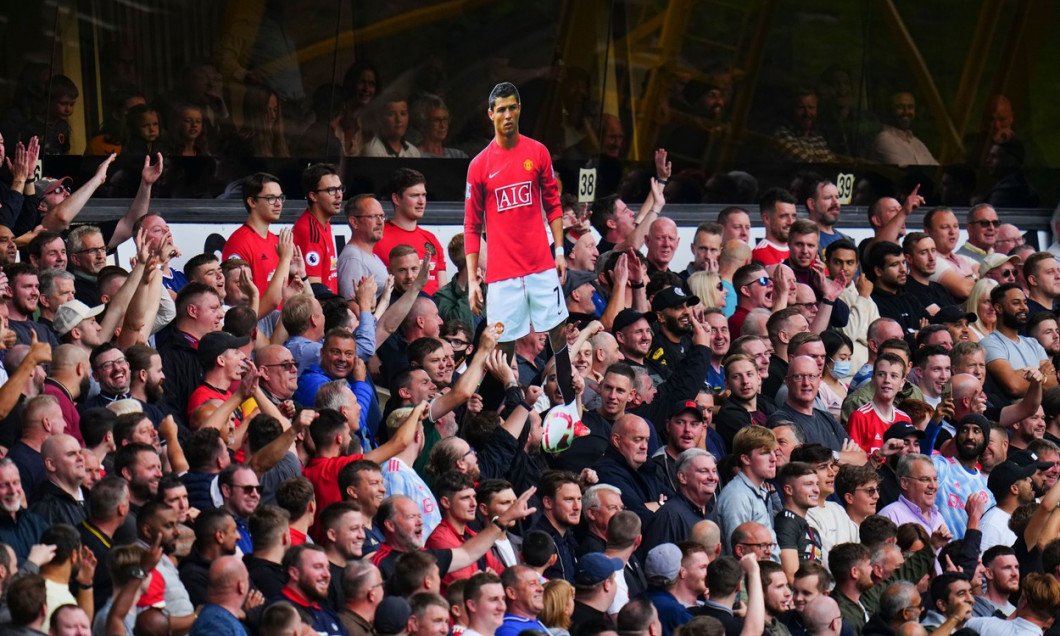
764	281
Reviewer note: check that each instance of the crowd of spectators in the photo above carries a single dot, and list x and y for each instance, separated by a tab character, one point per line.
806	435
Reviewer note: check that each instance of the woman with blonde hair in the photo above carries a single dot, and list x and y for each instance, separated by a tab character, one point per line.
558	607
708	288
978	303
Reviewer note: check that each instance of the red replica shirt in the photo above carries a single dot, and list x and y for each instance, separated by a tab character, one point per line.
318	250
509	189
866	427
259	252
417	239
324	473
769	253
445	536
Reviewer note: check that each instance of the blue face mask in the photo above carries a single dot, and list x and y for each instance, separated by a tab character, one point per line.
840	369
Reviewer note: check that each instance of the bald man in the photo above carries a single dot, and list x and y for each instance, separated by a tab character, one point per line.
226	592
69	381
822	617
61	499
622	466
662	244
708	534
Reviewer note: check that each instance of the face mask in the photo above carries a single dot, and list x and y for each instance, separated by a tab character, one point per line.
840	369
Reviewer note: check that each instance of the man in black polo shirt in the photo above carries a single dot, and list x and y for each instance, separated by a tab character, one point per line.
697	482
797	540
594	588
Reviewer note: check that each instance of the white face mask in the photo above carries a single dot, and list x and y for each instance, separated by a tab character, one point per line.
840	369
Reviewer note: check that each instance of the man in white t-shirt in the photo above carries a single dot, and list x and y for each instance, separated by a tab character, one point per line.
1010	483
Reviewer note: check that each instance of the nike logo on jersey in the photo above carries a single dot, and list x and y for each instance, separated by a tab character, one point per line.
494	174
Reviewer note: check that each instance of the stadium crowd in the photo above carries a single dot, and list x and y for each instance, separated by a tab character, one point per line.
803	436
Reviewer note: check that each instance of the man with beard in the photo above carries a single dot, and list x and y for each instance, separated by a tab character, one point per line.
674	338
662	244
19	528
146	377
896	144
307	588
141	466
822	206
1044	328
1007	351
959	477
157	521
634	336
1001	569
22	304
868	425
366	218
697	484
402	526
919	251
215	537
778	213
1011	485
68	382
886	268
456	496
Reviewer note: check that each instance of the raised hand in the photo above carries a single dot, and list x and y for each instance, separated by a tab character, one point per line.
87	572
497	365
101	171
864	286
246	283
663	169
657	194
913	201
940	537
285	248
150	174
366	293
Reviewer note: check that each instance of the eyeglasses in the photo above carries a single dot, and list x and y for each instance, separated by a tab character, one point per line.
806	305
333	191
987	223
273	199
871	491
764	281
107	366
470	451
374	217
289	365
721	287
803	377
249	489
760	546
92	250
1008	273
62	188
925	480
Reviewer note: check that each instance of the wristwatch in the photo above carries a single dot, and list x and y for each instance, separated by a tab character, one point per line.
138	572
496	520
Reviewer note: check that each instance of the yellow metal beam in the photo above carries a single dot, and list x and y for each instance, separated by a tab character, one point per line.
920	72
972	74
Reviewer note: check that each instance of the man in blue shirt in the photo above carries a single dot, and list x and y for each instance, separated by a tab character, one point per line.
524	596
227	590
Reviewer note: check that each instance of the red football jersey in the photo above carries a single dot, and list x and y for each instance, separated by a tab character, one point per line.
318	250
259	253
510	188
